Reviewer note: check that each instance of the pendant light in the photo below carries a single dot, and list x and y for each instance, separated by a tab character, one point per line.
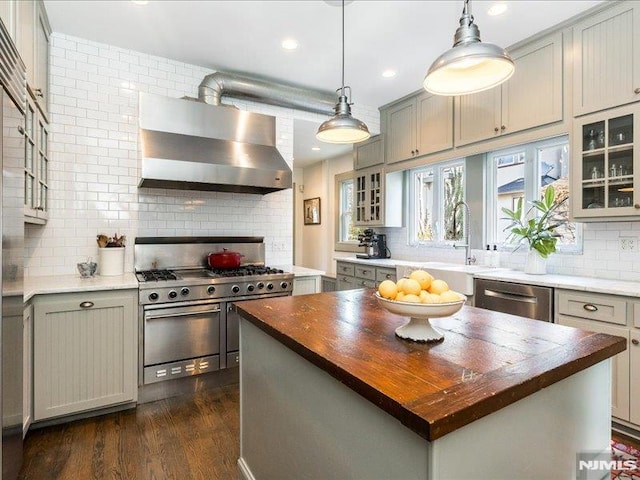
471	66
342	127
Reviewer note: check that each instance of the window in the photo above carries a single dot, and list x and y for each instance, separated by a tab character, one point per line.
434	192
346	233
525	172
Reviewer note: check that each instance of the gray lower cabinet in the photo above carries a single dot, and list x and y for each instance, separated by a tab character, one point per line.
613	315
27	367
359	275
85	351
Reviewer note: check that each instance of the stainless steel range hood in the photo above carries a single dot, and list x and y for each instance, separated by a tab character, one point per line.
189	145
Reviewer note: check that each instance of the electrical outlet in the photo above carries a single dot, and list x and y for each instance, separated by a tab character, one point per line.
628	244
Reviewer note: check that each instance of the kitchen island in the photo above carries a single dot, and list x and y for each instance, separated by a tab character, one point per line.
328	391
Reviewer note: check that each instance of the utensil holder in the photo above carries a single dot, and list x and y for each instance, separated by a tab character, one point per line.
111	261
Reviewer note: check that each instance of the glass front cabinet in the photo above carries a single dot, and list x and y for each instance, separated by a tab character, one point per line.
36	165
368	193
606	165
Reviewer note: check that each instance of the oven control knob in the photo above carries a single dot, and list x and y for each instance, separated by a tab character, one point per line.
184	292
153	296
250	288
284	285
269	286
211	289
260	286
173	294
235	289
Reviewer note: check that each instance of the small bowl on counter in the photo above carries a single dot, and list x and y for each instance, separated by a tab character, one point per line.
87	269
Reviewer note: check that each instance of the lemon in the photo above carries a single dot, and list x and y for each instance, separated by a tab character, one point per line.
438	286
411	298
388	289
450	296
422	277
410	286
400	284
425	297
399	296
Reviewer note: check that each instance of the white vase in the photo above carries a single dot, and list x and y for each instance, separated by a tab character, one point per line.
536	265
111	261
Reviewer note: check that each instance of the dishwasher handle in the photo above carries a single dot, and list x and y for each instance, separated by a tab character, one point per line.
510	296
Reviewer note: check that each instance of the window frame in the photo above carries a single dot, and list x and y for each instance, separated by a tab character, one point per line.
438	202
531	171
339	244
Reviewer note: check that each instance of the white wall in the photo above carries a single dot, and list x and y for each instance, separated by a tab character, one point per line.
94	167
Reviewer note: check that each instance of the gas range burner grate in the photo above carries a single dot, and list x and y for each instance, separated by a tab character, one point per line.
244	271
156	275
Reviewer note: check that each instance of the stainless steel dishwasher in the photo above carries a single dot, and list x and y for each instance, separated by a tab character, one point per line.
515	298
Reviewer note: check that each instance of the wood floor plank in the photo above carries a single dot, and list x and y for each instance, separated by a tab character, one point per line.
188	437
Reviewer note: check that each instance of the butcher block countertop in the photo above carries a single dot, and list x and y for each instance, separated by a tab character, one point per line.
488	360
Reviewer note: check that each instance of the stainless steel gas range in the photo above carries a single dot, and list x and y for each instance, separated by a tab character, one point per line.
189	323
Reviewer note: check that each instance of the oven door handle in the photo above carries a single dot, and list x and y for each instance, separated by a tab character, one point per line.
182	314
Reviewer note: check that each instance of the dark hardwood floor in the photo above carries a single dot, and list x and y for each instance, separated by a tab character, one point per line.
188	437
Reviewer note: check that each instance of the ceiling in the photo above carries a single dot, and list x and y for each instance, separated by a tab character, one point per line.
245	36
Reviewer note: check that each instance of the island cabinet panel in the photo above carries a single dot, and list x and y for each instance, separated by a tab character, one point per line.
305	285
606	64
620	371
85	351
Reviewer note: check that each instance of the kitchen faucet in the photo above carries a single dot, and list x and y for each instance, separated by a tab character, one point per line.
468	259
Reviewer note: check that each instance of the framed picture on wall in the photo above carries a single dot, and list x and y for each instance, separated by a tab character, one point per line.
312	211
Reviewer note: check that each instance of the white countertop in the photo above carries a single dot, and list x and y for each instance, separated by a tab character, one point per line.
587	284
300	271
75	283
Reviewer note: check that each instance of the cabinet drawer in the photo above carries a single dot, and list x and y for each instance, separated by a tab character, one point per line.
383	274
345	282
346	269
365	272
592	306
363	283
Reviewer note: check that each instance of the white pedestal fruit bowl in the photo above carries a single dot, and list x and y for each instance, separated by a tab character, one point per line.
418	328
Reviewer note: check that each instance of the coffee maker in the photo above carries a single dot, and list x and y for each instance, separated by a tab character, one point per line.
375	245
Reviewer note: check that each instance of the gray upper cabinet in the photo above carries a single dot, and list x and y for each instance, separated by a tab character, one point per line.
606	59
400	131
530	98
25	41
434	126
8	16
417	126
41	65
368	153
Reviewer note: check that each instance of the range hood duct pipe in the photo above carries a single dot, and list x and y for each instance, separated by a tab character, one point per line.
214	86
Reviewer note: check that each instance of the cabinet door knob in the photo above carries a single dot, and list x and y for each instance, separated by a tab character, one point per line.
496	129
413	152
589	307
417	151
364	271
86	305
635	341
388	275
636	91
20	130
637	206
38	92
503	128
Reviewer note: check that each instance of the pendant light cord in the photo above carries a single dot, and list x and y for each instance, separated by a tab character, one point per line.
342	89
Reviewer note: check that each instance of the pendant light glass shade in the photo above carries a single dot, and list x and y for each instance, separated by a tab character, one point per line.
471	66
342	127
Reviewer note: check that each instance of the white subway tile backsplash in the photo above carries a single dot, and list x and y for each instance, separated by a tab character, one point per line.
94	166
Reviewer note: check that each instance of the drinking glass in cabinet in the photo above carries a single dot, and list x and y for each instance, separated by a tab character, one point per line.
593	136
621	130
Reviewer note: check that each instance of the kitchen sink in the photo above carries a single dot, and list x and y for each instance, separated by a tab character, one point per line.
458	277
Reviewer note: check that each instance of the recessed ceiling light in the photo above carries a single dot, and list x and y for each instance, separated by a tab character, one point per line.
315	149
289	44
140	2
389	73
497	9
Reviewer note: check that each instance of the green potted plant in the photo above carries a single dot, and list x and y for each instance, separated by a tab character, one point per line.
537	228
